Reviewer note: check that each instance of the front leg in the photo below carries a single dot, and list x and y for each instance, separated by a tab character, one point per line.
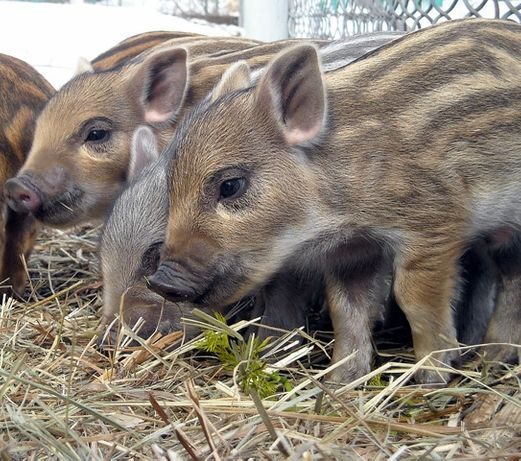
424	286
285	302
355	302
476	297
20	235
505	323
504	326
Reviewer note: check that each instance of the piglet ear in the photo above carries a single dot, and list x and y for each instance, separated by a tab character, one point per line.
236	77
159	83
292	91
82	66
143	152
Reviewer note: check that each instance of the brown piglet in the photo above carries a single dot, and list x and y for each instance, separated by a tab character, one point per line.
398	161
131	47
129	253
80	156
23	94
135	229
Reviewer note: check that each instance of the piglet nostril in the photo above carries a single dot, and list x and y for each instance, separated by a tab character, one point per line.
20	197
25	197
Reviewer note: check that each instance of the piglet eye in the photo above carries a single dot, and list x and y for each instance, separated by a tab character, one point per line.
232	188
98	136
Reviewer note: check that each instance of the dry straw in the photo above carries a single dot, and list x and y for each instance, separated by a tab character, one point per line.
62	399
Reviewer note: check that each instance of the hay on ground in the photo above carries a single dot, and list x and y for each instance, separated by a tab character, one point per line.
62	399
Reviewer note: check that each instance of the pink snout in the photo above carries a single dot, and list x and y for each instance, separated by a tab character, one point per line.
22	197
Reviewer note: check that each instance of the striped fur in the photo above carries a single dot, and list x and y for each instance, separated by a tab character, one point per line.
91	175
401	159
137	47
134	46
23	94
137	223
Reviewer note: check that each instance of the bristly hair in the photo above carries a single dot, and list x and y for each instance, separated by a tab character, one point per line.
201	110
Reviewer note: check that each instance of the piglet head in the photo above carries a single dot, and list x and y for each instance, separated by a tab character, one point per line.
243	192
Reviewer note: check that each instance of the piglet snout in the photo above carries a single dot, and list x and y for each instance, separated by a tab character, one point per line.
174	283
22	197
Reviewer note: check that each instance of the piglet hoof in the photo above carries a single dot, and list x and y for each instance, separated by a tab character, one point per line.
432	377
19	281
15	291
438	373
349	371
502	354
107	340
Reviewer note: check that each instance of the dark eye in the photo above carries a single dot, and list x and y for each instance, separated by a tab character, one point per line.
98	136
232	188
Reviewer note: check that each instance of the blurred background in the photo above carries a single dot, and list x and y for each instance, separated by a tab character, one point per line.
52	35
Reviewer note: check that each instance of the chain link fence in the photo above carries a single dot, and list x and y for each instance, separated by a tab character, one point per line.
332	19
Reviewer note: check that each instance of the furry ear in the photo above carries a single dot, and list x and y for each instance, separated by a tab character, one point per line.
82	66
143	152
236	77
159	83
292	91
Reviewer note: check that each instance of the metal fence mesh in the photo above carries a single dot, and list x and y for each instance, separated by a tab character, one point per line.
342	18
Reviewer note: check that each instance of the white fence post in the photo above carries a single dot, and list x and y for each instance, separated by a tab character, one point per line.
265	20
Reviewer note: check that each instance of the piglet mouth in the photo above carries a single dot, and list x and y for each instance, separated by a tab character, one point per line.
177	283
62	210
24	195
